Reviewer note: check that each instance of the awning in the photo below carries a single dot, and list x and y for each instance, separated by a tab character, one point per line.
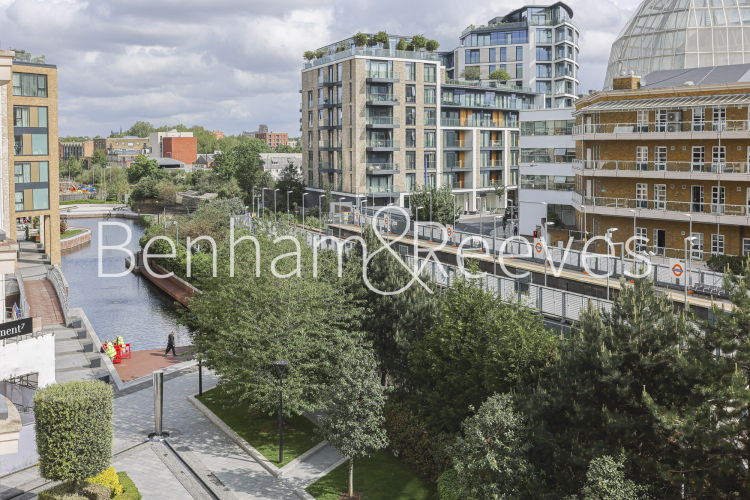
667	102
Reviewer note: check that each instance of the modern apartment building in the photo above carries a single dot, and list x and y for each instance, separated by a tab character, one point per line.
184	149
81	151
156	141
681	34
122	151
29	115
667	160
537	45
273	139
379	123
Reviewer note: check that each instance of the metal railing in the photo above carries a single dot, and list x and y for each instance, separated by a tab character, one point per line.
361	51
328	100
457	144
663	166
24	308
533	131
328	123
459	184
386	75
659	127
382	120
382	166
491	144
490	84
377	143
457	164
380	189
491	163
718	209
381	97
490	184
329	144
56	277
459	122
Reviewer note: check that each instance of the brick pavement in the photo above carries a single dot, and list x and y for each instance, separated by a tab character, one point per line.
143	363
43	302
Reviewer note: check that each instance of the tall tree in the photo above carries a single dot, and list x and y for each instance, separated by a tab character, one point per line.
354	404
477	347
140	129
99	158
605	480
608	390
72	168
144	167
290	179
443	204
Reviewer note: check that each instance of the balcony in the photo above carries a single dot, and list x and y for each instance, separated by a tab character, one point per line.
430	122
430	165
731	129
507	104
565	72
534	131
382	122
382	168
728	171
458	122
329	102
361	51
457	165
382	99
328	81
382	76
429	99
380	189
711	213
457	145
490	184
382	145
459	184
328	166
491	145
327	124
329	144
492	164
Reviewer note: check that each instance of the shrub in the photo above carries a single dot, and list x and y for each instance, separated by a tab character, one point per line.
109	479
719	263
402	44
131	492
63	226
418	41
73	430
309	55
432	45
449	487
409	440
64	491
360	39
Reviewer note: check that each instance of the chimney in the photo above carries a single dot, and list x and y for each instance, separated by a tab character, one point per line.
626	82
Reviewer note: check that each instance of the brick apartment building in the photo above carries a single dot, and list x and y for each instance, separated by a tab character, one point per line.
184	149
273	139
218	133
667	160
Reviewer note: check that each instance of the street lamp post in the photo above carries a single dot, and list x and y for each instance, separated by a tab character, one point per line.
176	232
494	244
481	226
340	220
287	204
430	216
263	195
280	369
546	237
303	210
274	204
320	212
416	235
253	199
690	234
688	239
609	240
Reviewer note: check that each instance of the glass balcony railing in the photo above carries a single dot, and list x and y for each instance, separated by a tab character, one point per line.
459	184
362	51
328	79
491	164
447	165
706	167
429	99
382	166
386	75
382	143
382	97
430	122
663	127
329	144
382	120
565	72
328	100
471	122
430	165
379	189
457	144
328	123
492	84
491	144
491	183
329	165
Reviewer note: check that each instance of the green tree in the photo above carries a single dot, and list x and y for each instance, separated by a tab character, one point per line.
242	162
73	430
490	454
609	389
309	55
402	44
470	73
500	75
143	167
477	347
381	37
140	129
605	480
360	39
418	41
354	404
444	210
554	217
285	148
290	179
99	158
72	168
432	45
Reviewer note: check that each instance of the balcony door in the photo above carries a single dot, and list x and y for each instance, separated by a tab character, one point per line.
660	124
641	196
660	196
697	205
720	119
696	252
660	241
642	125
717	200
718	158
699	119
641	158
660	158
699	157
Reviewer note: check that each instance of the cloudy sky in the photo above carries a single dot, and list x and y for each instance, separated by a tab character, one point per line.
232	64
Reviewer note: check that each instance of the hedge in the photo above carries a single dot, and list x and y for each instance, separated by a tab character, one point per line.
73	429
130	491
64	491
449	487
110	479
410	440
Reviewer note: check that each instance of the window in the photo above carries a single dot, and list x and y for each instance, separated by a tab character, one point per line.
660	158
717	244
640	239
429	138
543	36
699	156
717	199
514	139
503	56
29	85
699	119
430	117
19	201
411	138
411	160
642	125
745	246
697	251
429	95
21	117
491	69
309	119
544	71
544	87
411	94
41	198
519	53
429	73
544	53
309	99
492	56
411	116
660	196
411	72
472	57
429	180
429	160
641	158
22	173
411	182
719	157
641	196
720	119
519	71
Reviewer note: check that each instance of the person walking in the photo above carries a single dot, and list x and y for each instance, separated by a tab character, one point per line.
170	345
515	229
505	223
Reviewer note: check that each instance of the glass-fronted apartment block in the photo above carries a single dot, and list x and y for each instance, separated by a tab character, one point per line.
536	45
681	34
378	123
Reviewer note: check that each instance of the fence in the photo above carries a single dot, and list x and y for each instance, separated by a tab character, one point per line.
77	196
25	310
55	276
572	260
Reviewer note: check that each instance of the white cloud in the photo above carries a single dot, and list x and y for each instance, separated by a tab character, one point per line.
233	64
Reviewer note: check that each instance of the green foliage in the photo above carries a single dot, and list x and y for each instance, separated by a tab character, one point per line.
99	157
140	129
154	188
418	41
360	39
449	487
309	55
143	167
381	37
721	263
605	480
110	479
443	204
320	53
402	44
500	75
131	491
65	491
290	179
490	452
553	217
613	387
410	441
285	148
470	73
479	346
73	429
243	163
71	168
342	46
432	45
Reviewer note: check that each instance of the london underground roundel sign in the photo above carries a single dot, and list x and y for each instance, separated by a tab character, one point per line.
677	270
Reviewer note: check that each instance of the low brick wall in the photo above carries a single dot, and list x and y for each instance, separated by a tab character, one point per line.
77	239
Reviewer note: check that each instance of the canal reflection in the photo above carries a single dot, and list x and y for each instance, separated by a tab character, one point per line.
130	305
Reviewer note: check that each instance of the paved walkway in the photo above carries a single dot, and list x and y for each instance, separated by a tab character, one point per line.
85	210
43	301
143	363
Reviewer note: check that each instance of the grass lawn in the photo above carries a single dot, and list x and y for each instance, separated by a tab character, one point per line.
262	431
72	232
379	477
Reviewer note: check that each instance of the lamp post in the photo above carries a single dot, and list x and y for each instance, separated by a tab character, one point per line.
546	237
320	212
287	204
176	232
303	211
690	234
280	369
481	226
253	198
274	204
688	239
635	241
609	240
416	235
340	220
263	197
494	244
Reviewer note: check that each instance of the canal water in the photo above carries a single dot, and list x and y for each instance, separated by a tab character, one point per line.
129	305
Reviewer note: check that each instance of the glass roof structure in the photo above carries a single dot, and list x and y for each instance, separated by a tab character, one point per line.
679	34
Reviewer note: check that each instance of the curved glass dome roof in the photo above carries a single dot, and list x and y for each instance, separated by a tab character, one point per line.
677	34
